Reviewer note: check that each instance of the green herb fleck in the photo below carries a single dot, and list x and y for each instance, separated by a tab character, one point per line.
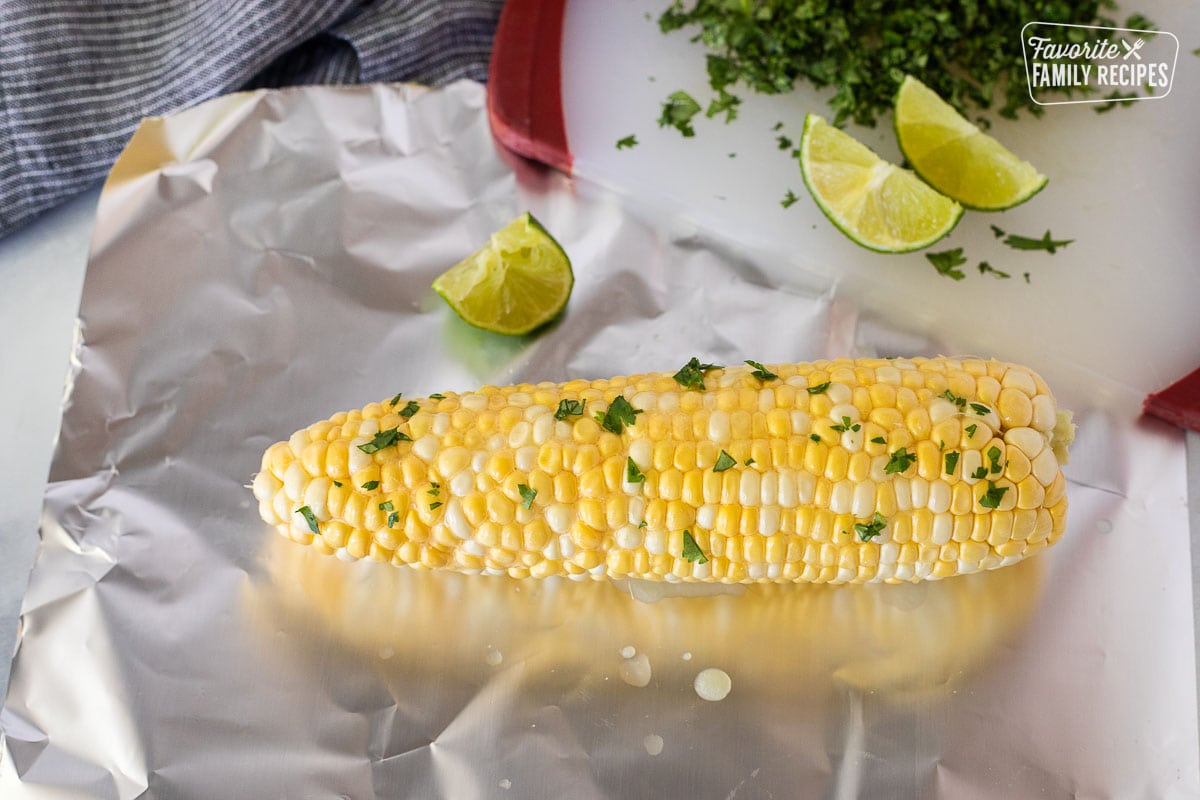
527	495
993	455
337	484
999	234
748	462
724	462
677	112
951	462
395	399
971	430
392	519
386	505
642	524
814	437
879	440
1026	276
569	408
985	268
993	496
691	374
846	425
620	413
783	142
410	408
979	474
309	517
869	530
632	473
900	461
980	409
761	372
961	402
820	388
789	199
437	396
435	504
370	486
692	551
627	142
948	262
384	439
1045	243
435	489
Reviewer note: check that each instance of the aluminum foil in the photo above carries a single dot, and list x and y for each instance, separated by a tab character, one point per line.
263	261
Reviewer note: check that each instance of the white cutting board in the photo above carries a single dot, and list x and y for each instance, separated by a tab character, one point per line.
1109	318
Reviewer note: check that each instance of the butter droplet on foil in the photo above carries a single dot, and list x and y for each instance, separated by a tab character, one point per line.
713	684
653	744
628	651
636	671
505	783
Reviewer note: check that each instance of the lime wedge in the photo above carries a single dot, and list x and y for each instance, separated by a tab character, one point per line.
517	282
957	158
877	204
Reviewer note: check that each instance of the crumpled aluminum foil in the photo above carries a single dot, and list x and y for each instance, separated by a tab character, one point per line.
263	261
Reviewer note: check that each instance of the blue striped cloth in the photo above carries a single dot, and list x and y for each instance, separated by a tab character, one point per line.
76	76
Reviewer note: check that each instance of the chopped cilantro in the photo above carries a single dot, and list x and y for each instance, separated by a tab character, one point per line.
632	473
999	234
951	462
783	142
626	142
789	199
386	505
410	408
309	517
879	440
846	425
337	484
692	551
370	486
970	429
395	399
814	437
748	462
900	461
724	462
820	388
1045	243
980	409
993	496
979	474
392	519
527	495
677	112
620	413
986	268
993	455
691	374
961	402
948	262
569	408
437	396
384	439
869	530
435	504
761	372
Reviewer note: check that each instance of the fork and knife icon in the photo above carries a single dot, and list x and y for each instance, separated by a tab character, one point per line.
1132	50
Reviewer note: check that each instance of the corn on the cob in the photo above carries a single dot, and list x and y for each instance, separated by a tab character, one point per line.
839	471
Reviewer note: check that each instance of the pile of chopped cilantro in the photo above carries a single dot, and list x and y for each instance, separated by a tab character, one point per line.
968	51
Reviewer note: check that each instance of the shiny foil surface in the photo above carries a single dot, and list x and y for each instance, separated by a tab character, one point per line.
263	261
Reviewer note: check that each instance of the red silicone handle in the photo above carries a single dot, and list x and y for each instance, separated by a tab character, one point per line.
525	82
